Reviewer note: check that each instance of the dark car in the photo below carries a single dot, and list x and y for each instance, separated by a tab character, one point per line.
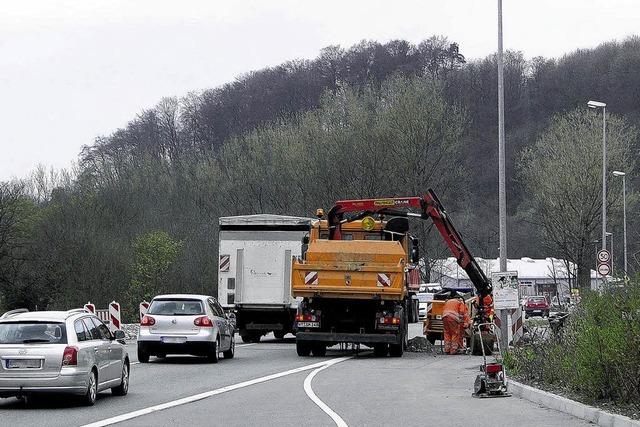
536	306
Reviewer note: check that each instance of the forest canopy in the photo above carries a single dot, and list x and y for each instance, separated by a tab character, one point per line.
375	119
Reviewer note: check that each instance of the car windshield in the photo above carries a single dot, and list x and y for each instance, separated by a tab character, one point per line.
176	307
32	333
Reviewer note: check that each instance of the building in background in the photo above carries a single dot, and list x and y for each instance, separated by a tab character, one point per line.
552	277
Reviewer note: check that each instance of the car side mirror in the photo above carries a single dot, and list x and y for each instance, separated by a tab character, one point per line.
119	335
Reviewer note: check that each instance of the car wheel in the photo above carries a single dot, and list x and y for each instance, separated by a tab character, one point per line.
213	356
89	398
143	356
123	388
279	334
232	348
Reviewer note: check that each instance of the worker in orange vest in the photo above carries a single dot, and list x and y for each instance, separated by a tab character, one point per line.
455	318
487	304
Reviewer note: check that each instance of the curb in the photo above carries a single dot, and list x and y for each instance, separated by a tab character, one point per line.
571	407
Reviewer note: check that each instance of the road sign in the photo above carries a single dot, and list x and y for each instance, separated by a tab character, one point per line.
604	256
505	290
604	269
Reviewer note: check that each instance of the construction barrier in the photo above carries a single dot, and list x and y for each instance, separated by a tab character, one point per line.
144	307
110	316
114	316
90	307
515	325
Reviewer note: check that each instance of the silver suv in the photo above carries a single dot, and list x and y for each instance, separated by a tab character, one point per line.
185	324
61	352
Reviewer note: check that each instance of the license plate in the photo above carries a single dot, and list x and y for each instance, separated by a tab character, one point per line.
174	340
24	363
537	311
308	324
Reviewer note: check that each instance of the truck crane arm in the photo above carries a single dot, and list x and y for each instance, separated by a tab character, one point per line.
430	208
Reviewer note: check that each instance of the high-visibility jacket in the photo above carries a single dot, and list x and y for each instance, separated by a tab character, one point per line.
456	309
487	303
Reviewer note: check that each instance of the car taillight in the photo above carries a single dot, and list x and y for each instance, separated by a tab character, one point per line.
70	356
147	321
306	317
203	322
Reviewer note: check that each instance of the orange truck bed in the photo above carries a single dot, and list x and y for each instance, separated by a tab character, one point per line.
353	269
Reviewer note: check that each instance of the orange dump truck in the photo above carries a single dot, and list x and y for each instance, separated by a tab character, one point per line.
360	269
357	289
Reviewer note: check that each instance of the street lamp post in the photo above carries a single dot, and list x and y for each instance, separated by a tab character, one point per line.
624	215
502	194
597	104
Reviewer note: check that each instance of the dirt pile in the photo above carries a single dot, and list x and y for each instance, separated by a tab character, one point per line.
419	345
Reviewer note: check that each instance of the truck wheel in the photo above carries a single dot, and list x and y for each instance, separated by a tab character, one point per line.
319	350
396	350
380	350
303	349
279	334
432	338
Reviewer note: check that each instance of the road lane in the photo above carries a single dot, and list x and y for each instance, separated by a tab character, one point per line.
416	389
158	382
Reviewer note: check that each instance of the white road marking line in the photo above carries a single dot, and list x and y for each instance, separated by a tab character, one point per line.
309	391
200	396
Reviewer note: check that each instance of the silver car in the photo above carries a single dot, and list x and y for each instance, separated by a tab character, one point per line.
61	352
185	324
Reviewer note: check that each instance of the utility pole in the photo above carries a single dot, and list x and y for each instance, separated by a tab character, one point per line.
502	195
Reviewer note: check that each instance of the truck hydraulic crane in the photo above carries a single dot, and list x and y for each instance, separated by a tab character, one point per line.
354	276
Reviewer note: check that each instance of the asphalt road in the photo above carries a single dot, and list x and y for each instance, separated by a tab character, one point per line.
267	384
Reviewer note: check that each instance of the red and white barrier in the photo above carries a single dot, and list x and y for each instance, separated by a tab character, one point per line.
515	323
144	307
114	316
110	316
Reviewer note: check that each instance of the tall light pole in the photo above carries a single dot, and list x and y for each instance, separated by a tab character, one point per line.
597	104
502	194
624	215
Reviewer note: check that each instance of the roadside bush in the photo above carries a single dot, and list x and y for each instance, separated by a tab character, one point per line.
597	353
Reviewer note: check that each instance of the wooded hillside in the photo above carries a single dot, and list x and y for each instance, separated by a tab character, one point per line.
140	213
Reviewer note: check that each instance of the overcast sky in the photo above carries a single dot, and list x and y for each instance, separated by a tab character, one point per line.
74	70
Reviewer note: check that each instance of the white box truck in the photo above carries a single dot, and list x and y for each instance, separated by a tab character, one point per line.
254	273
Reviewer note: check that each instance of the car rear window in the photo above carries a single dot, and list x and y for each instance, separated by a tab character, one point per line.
32	333
176	307
537	299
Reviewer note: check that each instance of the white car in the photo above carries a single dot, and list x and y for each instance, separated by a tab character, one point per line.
185	324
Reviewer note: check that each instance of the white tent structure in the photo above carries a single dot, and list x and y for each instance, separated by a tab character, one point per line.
548	276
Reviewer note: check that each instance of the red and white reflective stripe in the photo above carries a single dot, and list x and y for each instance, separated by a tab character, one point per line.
225	261
90	307
144	307
384	280
311	278
517	325
114	316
